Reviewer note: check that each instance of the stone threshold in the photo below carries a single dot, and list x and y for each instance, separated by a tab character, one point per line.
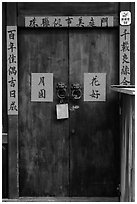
63	199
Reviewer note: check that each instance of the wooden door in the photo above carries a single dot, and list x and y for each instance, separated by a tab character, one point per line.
78	156
43	141
94	130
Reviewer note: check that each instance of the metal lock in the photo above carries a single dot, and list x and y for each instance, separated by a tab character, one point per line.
76	91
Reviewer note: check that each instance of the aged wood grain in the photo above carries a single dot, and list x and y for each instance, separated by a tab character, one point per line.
11	13
127	192
12	157
67	8
94	127
133	152
43	140
127	149
13	190
132	55
4	72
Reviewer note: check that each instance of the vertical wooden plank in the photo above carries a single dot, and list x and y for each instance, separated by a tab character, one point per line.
124	182
43	140
94	126
4	71
127	146
13	190
4	108
11	14
130	149
124	6
12	125
133	151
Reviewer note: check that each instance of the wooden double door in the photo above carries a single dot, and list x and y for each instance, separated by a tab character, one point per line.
78	156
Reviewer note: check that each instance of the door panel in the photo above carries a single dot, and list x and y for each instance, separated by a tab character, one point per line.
78	156
94	126
43	141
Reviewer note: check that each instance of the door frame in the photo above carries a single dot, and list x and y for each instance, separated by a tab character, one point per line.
13	154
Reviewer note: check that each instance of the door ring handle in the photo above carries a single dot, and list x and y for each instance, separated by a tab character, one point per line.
76	91
76	94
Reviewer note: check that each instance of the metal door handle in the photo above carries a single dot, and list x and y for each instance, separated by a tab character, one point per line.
61	90
76	91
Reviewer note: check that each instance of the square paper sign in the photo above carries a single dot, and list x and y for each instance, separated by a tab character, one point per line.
62	111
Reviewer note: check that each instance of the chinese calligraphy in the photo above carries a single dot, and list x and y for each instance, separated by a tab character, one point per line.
13	106
94	86
124	55
57	22
42	81
11	46
45	22
104	22
33	23
95	93
12	70
12	82
80	22
12	58
91	22
13	93
125	46
42	87
69	21
125	33
42	92
11	34
94	81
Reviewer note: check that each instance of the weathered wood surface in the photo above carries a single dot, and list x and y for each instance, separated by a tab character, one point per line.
11	13
133	152
94	127
67	8
128	123
51	9
4	138
13	158
4	170
43	141
128	149
45	150
4	72
132	42
13	191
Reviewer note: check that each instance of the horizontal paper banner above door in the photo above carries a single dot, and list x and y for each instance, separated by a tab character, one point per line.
69	21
